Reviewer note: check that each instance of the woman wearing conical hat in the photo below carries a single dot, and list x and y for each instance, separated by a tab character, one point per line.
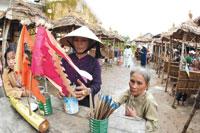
82	40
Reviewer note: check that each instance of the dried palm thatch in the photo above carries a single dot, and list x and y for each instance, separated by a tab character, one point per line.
70	20
23	11
114	35
2	14
102	32
147	38
189	28
197	21
157	41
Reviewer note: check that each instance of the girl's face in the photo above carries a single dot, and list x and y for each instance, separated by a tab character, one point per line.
137	84
80	44
11	59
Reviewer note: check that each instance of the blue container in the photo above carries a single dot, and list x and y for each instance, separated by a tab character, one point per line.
71	105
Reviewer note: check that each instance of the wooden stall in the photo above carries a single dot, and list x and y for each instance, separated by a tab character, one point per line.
19	11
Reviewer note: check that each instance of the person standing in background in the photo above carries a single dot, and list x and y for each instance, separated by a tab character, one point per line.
143	56
128	56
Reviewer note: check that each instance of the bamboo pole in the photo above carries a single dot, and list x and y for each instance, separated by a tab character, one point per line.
164	62
195	107
165	48
182	51
29	95
159	61
46	86
169	63
91	106
155	62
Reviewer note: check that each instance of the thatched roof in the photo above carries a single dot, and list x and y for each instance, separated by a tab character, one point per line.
115	35
70	20
197	21
2	14
157	41
23	11
74	19
188	27
102	32
157	36
144	39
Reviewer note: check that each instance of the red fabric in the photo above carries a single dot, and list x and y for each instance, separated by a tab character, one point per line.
43	63
55	46
22	65
45	60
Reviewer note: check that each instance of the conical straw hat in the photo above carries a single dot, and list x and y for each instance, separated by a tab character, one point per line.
80	32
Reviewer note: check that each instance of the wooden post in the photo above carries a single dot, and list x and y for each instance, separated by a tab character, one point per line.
165	49
156	55
6	28
182	51
169	63
159	60
194	109
163	62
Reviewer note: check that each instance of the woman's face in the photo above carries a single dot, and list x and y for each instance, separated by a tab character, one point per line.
80	44
11	59
137	84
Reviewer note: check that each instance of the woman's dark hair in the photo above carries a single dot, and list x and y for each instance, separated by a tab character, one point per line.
11	48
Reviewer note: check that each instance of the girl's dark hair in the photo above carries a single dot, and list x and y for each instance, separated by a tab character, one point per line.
11	48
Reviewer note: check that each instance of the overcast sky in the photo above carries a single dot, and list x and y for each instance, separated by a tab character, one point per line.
135	17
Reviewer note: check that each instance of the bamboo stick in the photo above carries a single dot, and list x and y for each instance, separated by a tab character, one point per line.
46	86
91	106
98	107
168	69
182	50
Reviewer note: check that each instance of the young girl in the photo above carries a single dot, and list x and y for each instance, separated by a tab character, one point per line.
139	102
12	82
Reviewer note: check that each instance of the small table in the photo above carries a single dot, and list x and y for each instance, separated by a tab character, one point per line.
61	122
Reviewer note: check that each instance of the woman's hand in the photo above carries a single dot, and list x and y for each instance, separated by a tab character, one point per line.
130	112
81	91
